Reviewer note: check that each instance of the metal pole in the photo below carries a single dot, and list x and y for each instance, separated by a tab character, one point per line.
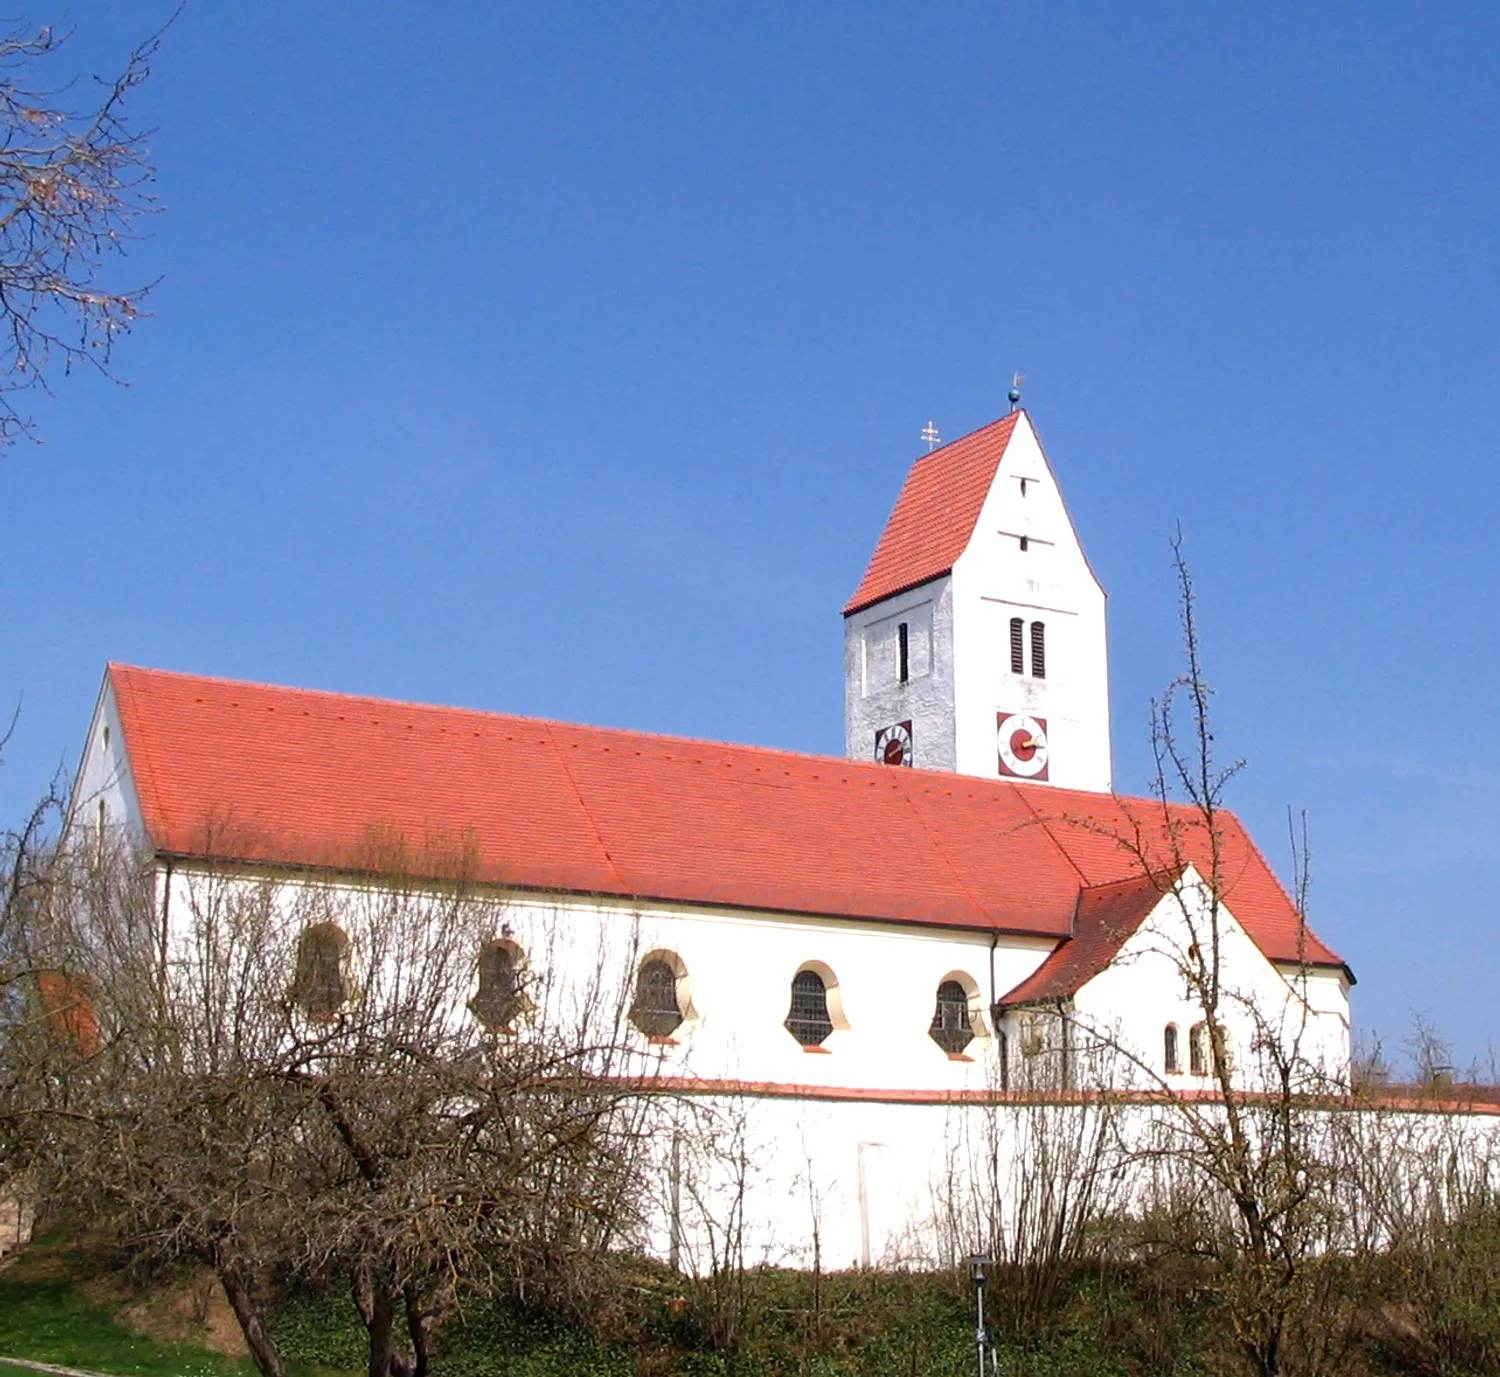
977	1278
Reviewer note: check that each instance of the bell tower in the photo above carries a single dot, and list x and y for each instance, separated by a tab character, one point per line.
975	642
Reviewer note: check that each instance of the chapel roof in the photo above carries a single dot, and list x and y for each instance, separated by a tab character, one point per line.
256	774
935	515
1107	916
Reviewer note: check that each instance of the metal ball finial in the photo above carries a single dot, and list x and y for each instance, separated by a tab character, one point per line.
1014	395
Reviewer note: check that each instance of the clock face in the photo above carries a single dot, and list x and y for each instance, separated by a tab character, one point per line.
893	744
1022	743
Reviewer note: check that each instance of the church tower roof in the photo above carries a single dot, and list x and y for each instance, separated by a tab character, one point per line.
934	518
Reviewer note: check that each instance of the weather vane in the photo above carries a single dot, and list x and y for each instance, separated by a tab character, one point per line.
930	434
1014	395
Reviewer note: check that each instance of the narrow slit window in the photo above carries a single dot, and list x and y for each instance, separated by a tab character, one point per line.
807	1020
1038	650
1173	1054
952	1028
903	650
1025	545
1017	646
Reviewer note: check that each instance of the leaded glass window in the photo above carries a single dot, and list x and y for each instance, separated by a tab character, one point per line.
656	1010
320	986
808	1019
498	1002
952	1029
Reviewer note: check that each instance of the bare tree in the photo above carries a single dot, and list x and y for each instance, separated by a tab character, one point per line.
74	178
1250	1179
286	1081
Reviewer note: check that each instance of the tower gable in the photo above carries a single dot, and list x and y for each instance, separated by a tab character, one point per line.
980	549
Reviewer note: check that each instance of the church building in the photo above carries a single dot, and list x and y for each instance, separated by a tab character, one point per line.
856	948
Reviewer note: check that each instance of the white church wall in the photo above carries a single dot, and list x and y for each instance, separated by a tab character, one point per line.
102	786
906	1183
1047	581
736	970
874	695
1145	989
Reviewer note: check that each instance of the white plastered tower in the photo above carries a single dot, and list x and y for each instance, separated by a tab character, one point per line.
976	642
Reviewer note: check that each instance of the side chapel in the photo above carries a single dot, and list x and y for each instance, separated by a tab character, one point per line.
862	943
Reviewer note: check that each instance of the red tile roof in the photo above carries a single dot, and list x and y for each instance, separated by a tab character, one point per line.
253	773
1107	915
935	515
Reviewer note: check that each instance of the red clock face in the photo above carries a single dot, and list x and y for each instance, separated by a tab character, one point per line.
1021	744
893	744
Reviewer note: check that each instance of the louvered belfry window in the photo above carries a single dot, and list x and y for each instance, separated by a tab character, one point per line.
1038	650
498	1001
951	1028
655	1010
903	650
808	1019
1017	646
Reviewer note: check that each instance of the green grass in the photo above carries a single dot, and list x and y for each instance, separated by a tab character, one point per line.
49	1321
56	1299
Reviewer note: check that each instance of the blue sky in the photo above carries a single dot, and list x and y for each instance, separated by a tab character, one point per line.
567	360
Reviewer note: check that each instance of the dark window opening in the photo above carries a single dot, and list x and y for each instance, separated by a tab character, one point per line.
1017	646
1198	1059
952	1029
498	1002
655	1010
808	1019
320	987
1025	544
1173	1055
1038	650
903	642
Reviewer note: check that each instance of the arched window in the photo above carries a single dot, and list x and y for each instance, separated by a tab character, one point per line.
320	986
952	1029
1173	1053
656	1010
498	1001
1198	1055
808	1020
1038	650
1017	645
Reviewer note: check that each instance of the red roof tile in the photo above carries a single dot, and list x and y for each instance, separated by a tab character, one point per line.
935	515
289	776
1107	915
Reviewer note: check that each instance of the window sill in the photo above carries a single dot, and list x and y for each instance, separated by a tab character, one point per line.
819	1051
959	1056
663	1041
